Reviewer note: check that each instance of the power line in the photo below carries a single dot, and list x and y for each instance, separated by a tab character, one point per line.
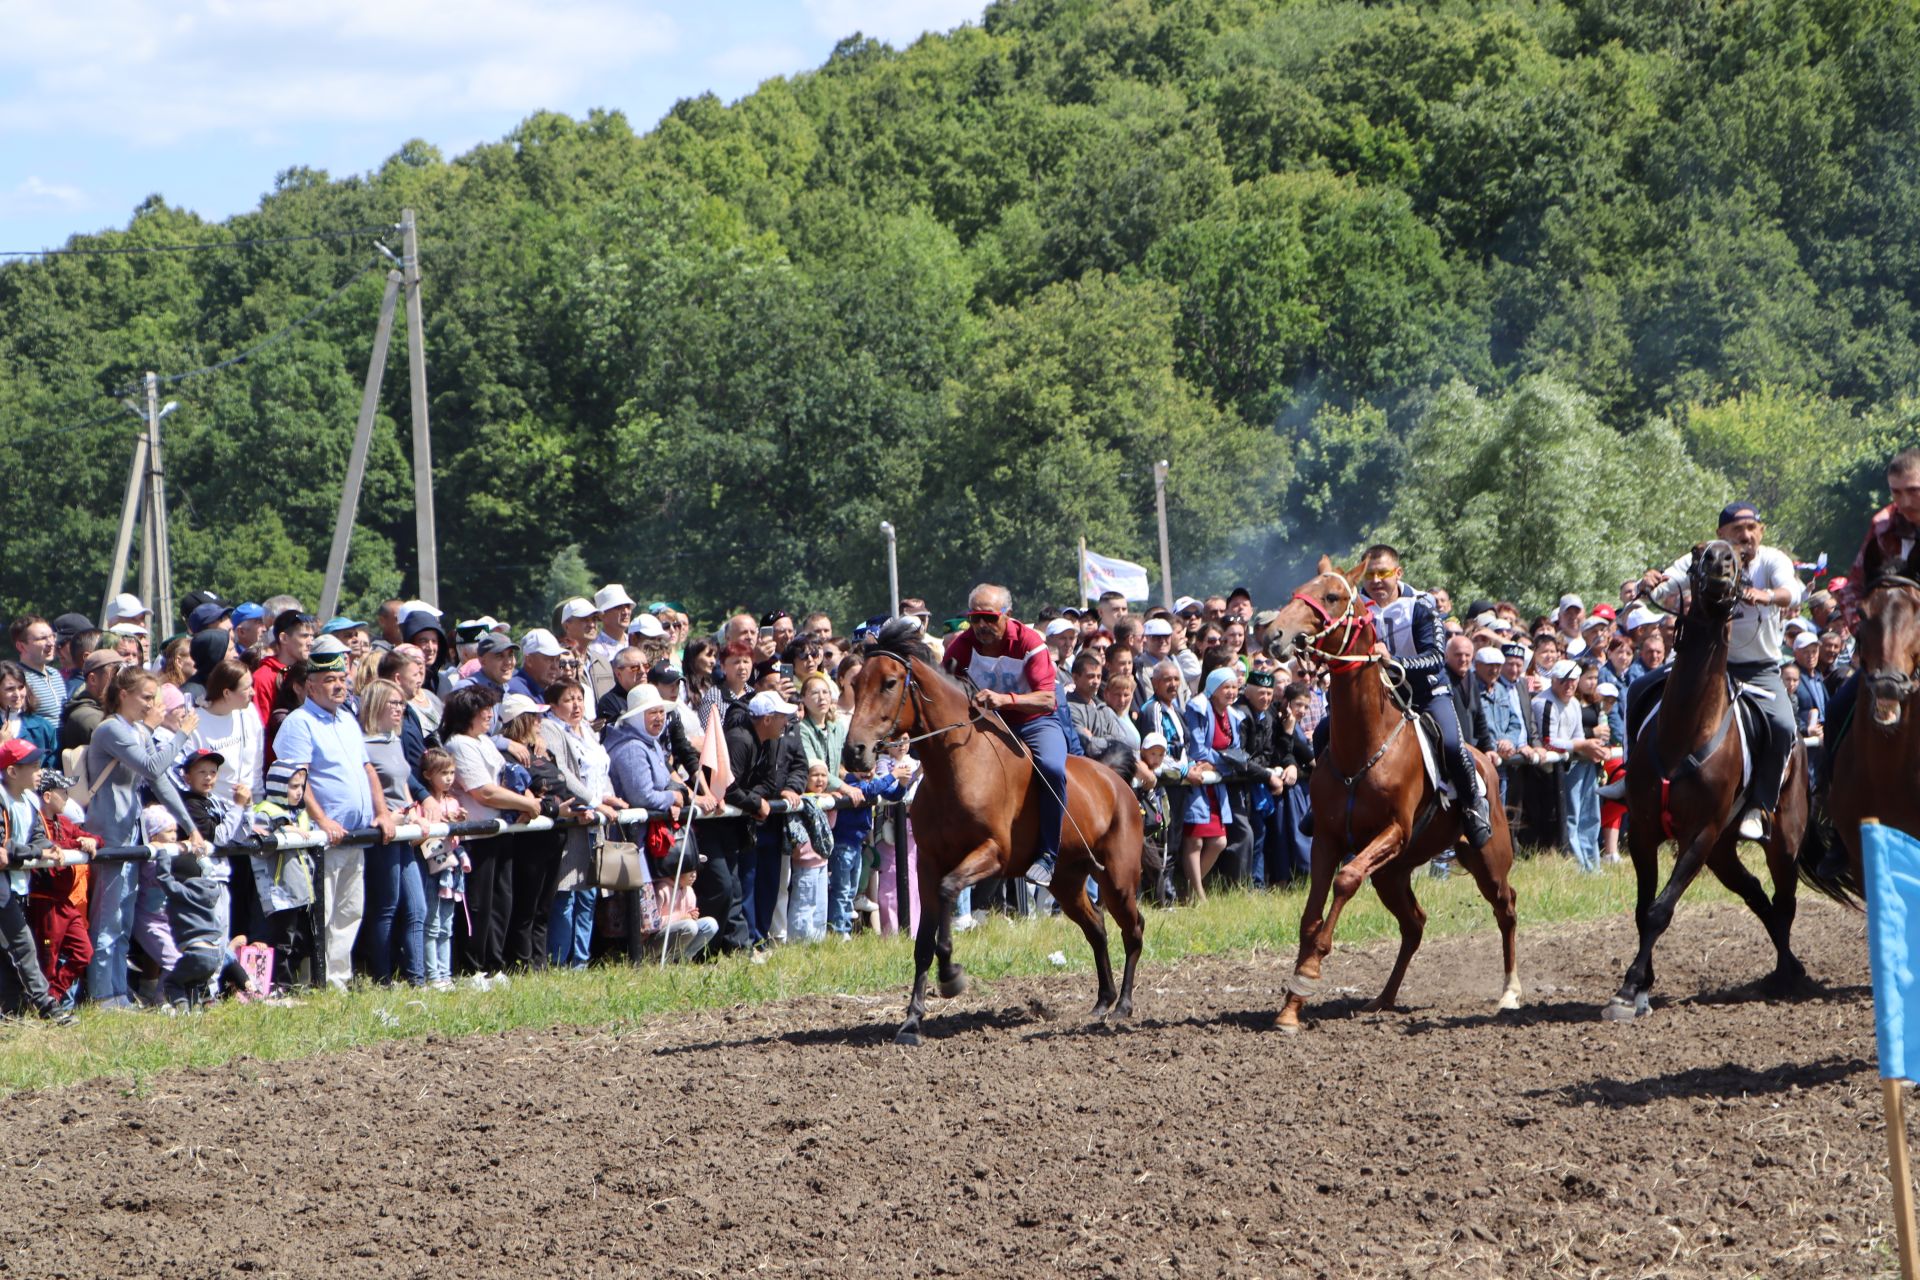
129	250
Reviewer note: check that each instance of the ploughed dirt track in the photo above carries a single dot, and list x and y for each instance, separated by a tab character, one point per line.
1723	1136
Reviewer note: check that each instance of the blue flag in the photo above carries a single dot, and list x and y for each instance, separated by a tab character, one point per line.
1892	865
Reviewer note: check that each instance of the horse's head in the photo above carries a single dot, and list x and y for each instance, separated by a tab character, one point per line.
1714	579
884	701
1887	648
1319	605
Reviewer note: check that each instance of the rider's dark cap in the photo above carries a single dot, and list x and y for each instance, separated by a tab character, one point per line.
1734	512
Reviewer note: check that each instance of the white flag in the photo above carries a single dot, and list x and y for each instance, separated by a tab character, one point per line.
1105	573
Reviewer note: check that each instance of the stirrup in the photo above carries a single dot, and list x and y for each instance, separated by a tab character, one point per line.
1040	872
1753	825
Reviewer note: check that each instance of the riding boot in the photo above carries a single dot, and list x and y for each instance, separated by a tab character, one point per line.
1475	818
1040	874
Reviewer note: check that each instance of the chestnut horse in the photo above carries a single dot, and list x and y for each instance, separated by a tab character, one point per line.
973	817
1876	766
1372	798
1684	782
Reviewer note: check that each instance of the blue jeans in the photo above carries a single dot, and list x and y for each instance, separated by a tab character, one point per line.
1049	747
762	887
1580	812
439	938
570	931
843	884
807	905
113	894
396	895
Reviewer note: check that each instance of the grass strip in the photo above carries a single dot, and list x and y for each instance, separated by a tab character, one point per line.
134	1046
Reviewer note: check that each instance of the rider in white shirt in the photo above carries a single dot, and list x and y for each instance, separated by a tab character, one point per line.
1770	592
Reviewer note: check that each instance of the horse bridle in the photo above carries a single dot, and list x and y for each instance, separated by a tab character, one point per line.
1894	686
919	704
1349	619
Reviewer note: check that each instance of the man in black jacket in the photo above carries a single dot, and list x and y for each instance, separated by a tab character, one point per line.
775	770
1466	694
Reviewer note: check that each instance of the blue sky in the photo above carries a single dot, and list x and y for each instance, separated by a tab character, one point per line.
105	102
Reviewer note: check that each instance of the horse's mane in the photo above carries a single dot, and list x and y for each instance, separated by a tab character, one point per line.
903	638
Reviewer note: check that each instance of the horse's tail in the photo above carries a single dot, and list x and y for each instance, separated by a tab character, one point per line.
1820	837
1120	758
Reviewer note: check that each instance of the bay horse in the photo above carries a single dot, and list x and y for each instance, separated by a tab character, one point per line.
1372	798
1684	782
973	818
1876	766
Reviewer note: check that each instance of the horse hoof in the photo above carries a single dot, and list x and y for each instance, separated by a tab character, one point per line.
1287	1028
1619	1010
956	985
1100	1012
906	1037
1510	1000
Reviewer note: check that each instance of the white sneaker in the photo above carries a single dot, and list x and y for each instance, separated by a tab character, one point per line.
480	982
962	923
502	981
441	984
864	903
1753	825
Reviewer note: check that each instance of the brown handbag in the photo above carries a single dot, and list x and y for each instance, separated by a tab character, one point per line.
616	866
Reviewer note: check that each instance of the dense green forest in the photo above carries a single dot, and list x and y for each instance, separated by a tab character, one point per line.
1532	288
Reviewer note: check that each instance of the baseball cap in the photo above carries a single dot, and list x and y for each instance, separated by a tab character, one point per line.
327	655
611	596
1735	512
126	605
1238	592
494	642
515	705
1638	618
578	607
1266	617
100	658
765	703
127	629
336	625
1595	620
1603	610
540	643
1185	603
1157	627
207	615
1061	625
646	624
248	612
1073	611
1152	740
204	753
16	751
1608	689
1490	655
69	625
1575	647
663	673
1570	602
1479	606
1805	639
1566	669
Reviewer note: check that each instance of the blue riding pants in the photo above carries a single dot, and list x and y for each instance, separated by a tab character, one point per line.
1049	747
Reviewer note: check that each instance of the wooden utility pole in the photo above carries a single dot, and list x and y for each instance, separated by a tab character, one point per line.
429	585
161	603
357	460
129	513
1166	559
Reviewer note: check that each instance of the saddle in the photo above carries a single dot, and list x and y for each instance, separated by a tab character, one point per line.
1749	704
1431	743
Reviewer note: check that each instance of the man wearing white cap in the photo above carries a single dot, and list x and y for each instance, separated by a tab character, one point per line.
777	771
1498	710
1568	616
540	653
1060	635
615	608
1579	797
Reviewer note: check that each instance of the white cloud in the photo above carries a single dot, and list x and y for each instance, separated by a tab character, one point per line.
154	72
898	22
36	195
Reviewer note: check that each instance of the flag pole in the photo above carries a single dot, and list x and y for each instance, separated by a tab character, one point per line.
1081	574
1901	1175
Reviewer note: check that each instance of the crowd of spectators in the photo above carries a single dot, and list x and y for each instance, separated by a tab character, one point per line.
260	718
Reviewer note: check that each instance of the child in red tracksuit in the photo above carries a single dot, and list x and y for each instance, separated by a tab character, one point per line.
57	897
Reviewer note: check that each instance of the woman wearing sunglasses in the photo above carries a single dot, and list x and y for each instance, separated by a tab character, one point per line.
1012	668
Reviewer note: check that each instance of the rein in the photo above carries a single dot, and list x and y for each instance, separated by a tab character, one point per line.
919	700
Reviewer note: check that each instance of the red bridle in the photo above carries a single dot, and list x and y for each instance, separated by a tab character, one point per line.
1337	659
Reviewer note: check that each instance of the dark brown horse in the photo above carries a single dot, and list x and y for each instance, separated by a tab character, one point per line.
1684	783
973	817
1876	767
1372	798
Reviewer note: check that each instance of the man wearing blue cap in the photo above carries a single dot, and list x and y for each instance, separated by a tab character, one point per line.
1770	591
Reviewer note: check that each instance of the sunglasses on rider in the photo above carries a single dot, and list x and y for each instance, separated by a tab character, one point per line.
1382	575
986	613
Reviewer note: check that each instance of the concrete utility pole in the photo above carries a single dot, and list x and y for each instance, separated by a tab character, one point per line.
1166	560
893	569
129	513
422	444
161	602
357	460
